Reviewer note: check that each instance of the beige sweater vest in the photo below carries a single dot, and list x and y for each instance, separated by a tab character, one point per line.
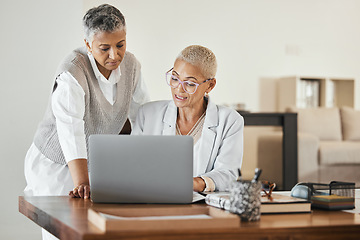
100	116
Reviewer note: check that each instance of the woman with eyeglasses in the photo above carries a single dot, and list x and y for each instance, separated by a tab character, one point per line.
98	89
217	131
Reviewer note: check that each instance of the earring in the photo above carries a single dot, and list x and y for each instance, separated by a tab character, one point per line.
206	94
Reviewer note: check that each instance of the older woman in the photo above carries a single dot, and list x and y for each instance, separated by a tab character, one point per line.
98	88
217	130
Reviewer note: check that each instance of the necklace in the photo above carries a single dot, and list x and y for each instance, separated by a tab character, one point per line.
194	130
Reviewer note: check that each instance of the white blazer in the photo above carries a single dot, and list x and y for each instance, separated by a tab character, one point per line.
221	143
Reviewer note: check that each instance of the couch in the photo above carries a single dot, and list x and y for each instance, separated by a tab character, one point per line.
328	147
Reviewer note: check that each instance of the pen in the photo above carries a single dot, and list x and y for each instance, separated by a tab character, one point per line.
239	177
257	175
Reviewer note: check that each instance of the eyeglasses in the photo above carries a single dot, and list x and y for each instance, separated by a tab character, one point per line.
267	188
188	86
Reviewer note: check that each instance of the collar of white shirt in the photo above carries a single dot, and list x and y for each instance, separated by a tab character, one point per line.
114	76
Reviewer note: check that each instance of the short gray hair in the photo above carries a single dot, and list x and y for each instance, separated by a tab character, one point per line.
200	57
104	18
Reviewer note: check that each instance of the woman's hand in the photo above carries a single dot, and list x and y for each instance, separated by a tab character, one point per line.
198	184
79	173
81	191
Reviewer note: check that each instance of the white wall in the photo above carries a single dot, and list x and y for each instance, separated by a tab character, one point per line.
35	36
254	40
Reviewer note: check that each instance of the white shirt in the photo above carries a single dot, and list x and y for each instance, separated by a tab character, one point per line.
69	107
47	178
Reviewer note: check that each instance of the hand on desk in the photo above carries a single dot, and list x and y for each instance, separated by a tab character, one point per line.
79	173
81	191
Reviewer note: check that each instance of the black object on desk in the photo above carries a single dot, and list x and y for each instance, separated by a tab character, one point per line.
288	122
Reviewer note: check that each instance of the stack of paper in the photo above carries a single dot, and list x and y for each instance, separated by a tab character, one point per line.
333	202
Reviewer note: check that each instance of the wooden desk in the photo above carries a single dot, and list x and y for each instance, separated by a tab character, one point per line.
66	218
288	122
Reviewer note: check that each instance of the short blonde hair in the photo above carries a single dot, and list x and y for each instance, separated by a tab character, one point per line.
200	57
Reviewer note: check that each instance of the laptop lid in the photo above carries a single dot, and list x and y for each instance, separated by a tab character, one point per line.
141	169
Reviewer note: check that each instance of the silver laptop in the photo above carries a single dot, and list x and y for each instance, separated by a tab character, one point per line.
141	169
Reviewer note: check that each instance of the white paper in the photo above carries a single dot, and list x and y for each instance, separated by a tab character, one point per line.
197	197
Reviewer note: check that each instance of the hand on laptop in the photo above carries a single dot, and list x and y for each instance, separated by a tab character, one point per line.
198	184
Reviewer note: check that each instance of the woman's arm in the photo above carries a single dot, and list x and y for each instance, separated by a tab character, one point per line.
68	106
79	173
140	95
138	126
229	154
